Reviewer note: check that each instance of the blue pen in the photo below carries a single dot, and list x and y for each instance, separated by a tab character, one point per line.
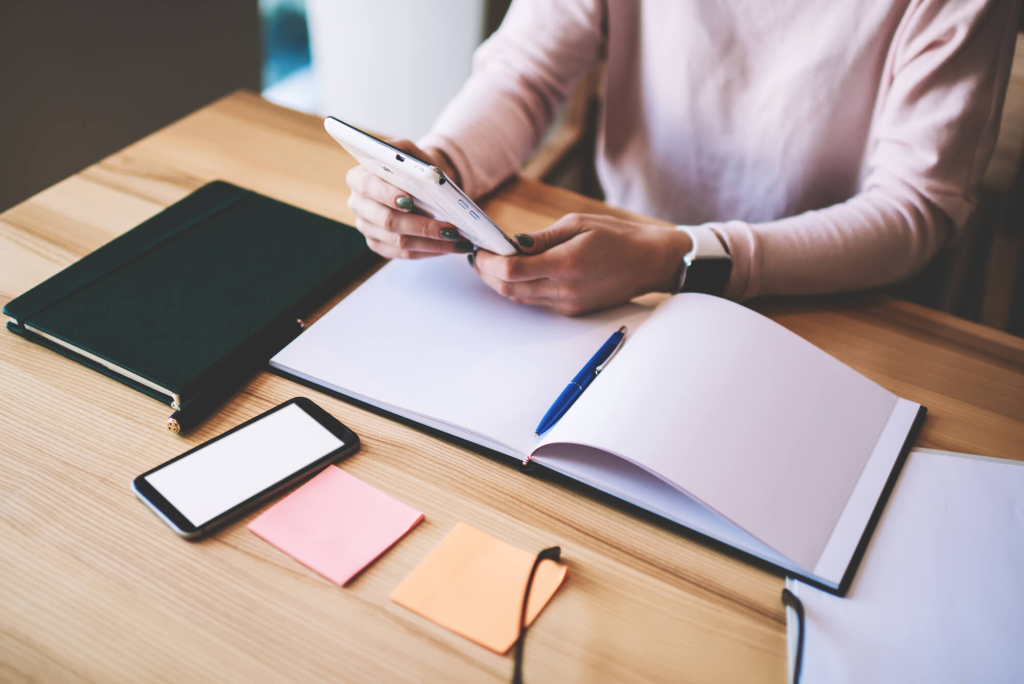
575	388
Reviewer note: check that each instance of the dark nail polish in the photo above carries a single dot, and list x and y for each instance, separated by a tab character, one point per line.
450	234
404	203
524	240
471	258
464	247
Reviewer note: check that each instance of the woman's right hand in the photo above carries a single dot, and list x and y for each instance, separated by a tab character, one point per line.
384	213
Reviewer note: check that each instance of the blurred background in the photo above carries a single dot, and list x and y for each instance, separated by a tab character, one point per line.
80	80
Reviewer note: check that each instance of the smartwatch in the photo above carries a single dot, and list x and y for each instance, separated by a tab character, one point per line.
707	266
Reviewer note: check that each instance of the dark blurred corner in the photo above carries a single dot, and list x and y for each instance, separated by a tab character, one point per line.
81	79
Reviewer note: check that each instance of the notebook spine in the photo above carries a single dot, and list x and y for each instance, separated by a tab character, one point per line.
88	363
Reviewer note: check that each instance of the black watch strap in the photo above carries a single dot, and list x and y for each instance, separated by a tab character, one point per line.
708	266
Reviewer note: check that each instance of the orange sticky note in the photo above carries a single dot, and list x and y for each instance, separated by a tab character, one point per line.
336	524
473	584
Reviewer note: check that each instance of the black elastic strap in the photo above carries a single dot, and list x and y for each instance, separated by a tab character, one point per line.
554	553
790	599
138	251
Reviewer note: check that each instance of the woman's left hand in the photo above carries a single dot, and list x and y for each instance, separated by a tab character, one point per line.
586	262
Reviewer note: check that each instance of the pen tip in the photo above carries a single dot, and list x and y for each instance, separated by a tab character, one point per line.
536	434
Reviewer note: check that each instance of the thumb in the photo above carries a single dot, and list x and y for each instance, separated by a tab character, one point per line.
432	155
560	231
407	146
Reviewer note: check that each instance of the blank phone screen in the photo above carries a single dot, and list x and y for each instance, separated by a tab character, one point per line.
231	470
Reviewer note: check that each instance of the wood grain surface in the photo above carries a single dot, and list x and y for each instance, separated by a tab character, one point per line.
94	587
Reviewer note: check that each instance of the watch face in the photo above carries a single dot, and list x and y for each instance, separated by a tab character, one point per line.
709	276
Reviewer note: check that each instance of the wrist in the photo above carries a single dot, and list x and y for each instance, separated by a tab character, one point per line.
670	246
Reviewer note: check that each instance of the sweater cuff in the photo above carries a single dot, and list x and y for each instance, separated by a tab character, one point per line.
746	271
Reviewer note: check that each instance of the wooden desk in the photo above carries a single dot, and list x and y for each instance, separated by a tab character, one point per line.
93	586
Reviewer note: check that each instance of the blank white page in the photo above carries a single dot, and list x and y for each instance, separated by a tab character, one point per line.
750	419
938	596
430	338
629	482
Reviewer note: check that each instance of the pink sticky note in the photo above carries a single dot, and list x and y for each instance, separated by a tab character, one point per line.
336	524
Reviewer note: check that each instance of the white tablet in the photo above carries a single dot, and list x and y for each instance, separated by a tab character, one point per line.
433	193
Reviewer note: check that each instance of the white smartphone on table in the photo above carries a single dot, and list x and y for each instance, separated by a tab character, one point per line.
220	480
432	192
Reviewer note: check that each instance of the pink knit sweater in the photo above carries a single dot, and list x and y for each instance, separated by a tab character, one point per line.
834	144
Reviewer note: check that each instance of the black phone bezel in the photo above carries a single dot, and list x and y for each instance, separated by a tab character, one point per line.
185	528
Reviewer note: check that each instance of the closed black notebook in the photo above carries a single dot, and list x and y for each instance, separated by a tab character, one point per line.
165	307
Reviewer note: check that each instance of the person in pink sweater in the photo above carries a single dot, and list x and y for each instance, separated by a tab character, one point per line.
828	145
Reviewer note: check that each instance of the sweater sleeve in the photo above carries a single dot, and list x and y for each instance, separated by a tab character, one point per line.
934	129
520	76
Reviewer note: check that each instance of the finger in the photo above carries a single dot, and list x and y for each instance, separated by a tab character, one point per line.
391	252
524	288
410	147
407	242
517	268
556	305
394	221
364	183
561	230
545	302
437	157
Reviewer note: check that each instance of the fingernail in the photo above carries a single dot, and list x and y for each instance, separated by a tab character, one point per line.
464	247
450	234
404	203
471	258
524	240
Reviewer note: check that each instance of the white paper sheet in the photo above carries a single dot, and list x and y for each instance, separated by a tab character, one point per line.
939	596
622	479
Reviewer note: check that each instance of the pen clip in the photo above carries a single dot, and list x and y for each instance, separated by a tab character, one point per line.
615	351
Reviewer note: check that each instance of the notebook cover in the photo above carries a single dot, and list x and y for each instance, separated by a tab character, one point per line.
176	298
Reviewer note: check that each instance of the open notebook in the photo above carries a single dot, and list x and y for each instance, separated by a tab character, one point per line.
710	415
